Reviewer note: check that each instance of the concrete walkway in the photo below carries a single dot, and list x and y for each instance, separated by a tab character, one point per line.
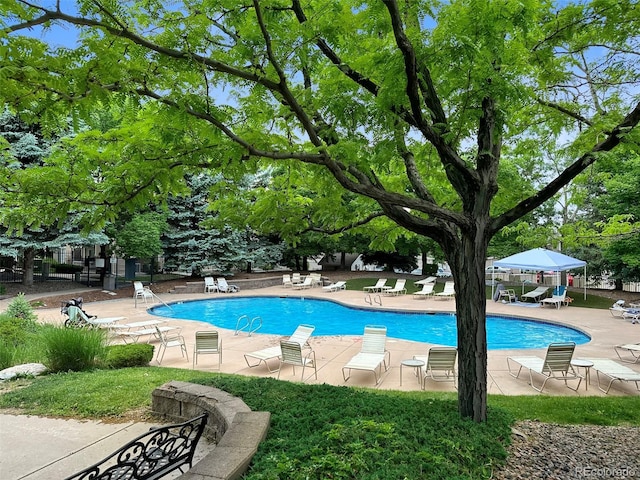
40	448
23	438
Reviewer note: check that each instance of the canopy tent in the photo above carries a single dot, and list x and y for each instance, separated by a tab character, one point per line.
543	259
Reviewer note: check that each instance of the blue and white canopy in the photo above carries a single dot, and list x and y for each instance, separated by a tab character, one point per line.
541	259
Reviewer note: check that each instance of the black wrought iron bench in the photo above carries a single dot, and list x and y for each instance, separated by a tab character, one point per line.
151	455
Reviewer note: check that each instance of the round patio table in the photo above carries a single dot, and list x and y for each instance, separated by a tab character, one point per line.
415	364
586	364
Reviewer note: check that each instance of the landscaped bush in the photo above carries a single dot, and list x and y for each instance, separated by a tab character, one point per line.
131	355
19	341
7	353
21	308
73	349
66	268
14	331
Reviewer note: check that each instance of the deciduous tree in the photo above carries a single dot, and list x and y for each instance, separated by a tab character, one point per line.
410	106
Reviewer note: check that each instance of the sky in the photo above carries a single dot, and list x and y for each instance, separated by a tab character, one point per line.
57	35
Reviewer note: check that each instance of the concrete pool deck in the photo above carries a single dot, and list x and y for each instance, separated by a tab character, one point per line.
333	352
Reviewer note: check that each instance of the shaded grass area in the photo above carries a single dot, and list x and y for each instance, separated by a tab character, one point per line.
324	431
609	411
592	301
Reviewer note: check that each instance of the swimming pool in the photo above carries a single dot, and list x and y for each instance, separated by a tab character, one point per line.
281	316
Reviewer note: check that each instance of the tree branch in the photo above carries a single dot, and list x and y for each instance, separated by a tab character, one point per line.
457	172
123	32
565	110
344	228
412	169
328	52
613	140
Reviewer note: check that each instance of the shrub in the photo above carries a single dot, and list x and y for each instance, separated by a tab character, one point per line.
3	289
132	355
19	341
13	330
7	354
73	349
67	268
21	308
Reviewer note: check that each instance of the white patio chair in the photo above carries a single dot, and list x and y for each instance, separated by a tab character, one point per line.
207	343
291	353
169	341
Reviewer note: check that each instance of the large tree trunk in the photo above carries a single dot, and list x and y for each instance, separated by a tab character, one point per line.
27	266
467	266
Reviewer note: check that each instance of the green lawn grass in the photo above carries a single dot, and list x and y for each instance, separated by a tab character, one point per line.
325	431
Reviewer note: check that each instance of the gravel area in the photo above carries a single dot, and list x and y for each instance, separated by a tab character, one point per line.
559	452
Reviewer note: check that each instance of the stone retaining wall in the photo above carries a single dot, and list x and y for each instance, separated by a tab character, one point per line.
244	284
236	430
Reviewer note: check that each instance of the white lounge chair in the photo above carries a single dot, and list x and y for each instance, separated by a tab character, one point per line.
632	314
424	281
127	335
557	299
286	281
372	354
377	287
140	291
536	294
79	318
334	287
556	365
208	342
617	309
210	285
300	335
508	294
316	279
398	289
614	372
307	283
631	348
292	354
448	291
224	287
439	359
427	291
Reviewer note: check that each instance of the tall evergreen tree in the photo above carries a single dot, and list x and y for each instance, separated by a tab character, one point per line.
27	148
195	242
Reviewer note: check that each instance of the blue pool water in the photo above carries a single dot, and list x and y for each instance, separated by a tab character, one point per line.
281	316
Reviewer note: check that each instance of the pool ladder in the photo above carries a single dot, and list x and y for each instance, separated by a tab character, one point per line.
251	326
371	300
